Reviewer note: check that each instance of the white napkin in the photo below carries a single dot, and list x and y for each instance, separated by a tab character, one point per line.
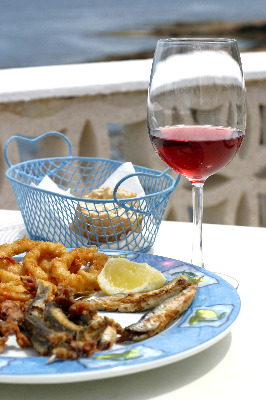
48	184
132	184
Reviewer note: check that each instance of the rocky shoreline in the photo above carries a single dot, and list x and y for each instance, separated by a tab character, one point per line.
251	35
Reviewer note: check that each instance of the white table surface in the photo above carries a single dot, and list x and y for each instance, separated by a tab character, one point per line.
233	368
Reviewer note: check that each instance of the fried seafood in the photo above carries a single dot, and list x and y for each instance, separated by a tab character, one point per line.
11	315
7	276
12	288
12	284
10	311
17	247
68	332
156	320
9	250
9	291
37	262
8	328
9	265
21	288
41	336
39	304
82	280
136	302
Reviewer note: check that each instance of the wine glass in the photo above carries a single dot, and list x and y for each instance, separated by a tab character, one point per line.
196	112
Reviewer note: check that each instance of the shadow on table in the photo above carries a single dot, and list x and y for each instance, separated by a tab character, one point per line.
139	386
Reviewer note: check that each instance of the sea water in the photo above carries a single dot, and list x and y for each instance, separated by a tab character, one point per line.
50	32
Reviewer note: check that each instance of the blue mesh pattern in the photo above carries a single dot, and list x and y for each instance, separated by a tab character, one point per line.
74	220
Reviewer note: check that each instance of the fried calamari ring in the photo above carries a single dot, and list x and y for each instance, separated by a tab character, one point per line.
18	247
81	280
9	264
97	262
10	291
42	255
9	250
89	255
21	288
7	276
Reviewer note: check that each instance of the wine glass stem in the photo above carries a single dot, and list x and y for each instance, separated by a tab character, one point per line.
197	201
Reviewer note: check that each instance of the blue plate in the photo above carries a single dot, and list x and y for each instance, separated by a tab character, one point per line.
207	320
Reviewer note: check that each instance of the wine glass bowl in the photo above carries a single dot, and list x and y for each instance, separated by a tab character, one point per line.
196	112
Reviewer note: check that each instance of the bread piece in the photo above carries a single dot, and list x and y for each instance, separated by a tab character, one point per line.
106	193
105	222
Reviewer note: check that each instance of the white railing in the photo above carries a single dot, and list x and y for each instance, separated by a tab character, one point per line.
87	101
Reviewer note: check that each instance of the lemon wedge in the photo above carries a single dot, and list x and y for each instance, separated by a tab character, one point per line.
120	275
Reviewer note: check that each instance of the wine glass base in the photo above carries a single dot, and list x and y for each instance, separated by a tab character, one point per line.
228	278
233	282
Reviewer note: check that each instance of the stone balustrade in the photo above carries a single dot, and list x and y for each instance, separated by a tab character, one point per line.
101	108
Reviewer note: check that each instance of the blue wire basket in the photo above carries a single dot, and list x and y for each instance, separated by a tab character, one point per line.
70	218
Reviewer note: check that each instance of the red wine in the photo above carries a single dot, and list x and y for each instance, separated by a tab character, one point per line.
196	151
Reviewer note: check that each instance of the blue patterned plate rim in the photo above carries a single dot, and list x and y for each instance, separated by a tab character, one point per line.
207	321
